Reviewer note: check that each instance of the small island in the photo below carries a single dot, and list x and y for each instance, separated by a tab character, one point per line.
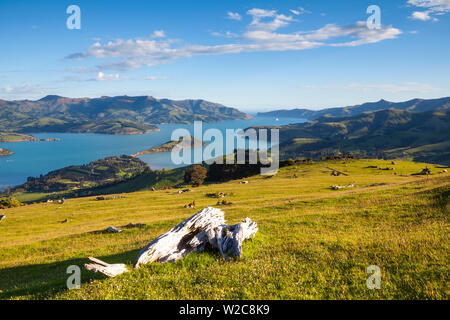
18	137
112	127
5	152
186	142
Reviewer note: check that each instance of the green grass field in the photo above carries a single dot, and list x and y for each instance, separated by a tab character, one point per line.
313	242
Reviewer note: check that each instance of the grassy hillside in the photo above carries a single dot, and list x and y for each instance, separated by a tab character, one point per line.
109	115
14	137
146	180
97	173
313	242
388	133
18	137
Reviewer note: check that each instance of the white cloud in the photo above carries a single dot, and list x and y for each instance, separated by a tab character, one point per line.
275	22
22	89
365	35
154	78
260	35
391	88
215	33
81	70
299	11
158	34
107	77
435	5
234	16
433	8
422	15
261	13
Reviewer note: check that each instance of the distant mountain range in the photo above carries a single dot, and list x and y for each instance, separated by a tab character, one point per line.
111	115
415	105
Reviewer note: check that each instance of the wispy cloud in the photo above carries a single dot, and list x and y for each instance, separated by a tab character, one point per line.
234	16
154	78
392	88
262	34
22	89
158	34
274	22
432	9
107	77
81	70
422	15
299	11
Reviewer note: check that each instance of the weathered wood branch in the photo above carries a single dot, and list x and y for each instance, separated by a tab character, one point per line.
193	235
110	270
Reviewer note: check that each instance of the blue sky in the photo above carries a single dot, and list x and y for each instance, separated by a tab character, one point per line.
253	55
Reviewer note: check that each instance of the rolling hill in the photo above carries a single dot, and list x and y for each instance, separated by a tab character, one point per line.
101	172
389	133
110	115
17	137
415	105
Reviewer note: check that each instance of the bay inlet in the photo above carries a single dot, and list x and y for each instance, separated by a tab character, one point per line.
33	158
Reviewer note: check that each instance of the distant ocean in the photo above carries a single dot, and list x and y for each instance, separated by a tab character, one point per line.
32	159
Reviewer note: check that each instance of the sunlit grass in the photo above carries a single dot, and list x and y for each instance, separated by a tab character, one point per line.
313	242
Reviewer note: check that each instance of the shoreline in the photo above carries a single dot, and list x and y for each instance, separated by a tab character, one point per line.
5	152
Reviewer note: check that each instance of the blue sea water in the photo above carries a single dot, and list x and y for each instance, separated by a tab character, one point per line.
31	159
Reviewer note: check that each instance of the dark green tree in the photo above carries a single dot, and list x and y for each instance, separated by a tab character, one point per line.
195	175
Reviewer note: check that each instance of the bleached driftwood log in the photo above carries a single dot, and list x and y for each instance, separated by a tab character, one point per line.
205	227
110	270
188	236
235	236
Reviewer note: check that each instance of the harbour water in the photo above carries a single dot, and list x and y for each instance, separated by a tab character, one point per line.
32	159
